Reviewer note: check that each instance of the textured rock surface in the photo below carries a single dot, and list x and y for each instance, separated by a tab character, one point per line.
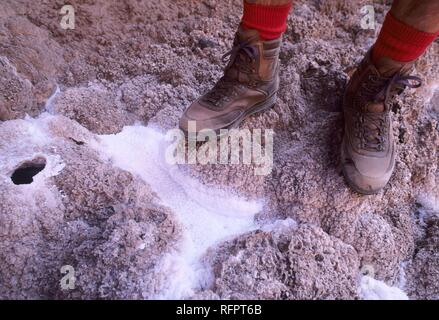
16	98
267	265
94	107
129	61
36	58
422	271
80	212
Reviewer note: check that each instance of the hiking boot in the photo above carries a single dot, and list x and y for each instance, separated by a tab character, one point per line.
368	148
249	85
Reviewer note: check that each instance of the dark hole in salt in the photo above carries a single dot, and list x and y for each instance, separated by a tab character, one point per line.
24	173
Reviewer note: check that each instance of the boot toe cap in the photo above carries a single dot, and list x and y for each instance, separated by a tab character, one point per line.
205	118
362	183
367	174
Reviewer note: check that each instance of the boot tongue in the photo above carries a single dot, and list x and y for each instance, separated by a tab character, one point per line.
388	67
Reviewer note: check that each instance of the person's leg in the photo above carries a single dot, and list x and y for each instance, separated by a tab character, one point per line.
269	2
368	148
251	77
408	29
269	17
420	14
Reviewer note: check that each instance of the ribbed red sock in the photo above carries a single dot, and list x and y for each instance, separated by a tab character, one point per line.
270	21
400	42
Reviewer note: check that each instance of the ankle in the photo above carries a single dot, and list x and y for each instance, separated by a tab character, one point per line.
269	20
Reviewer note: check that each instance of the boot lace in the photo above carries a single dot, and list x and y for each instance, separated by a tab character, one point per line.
372	125
240	57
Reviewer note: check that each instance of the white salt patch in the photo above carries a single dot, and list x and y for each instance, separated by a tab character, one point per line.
402	275
281	226
372	289
208	215
48	106
34	132
429	202
429	209
431	91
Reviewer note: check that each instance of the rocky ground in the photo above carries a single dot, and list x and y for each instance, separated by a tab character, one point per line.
142	62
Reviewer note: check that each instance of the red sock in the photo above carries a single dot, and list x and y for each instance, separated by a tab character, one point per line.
270	21
400	42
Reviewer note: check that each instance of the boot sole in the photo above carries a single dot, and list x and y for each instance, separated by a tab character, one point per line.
259	107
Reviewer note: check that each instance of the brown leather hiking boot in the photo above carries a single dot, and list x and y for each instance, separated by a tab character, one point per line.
249	85
368	148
